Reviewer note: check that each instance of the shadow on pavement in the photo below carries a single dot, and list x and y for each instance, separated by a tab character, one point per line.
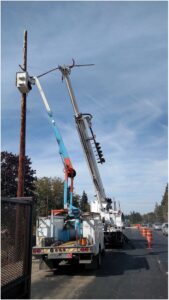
114	263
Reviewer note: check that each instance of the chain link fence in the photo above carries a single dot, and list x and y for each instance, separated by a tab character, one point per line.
16	227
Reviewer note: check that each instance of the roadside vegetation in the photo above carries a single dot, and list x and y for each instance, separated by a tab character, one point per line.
9	175
47	192
160	213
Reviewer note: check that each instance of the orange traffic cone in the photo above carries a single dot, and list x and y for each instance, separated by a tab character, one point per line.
138	226
144	232
149	238
141	230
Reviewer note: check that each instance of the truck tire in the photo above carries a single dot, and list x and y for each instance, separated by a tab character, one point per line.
55	264
95	264
45	264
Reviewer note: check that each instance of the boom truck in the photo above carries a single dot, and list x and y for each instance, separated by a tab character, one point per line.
67	234
112	217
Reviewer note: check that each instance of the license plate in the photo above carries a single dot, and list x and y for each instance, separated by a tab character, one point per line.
59	255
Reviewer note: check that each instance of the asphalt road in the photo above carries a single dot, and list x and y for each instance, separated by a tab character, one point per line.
133	272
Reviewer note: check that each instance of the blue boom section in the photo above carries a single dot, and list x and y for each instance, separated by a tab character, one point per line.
64	155
68	194
68	168
62	149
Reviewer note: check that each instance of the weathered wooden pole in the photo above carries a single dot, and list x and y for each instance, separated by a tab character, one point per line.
21	168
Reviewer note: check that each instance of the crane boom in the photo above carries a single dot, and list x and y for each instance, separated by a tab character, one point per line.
84	126
68	168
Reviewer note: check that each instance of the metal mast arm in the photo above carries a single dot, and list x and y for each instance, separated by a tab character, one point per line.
83	122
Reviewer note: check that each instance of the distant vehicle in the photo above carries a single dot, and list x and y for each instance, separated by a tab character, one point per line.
149	225
157	226
165	229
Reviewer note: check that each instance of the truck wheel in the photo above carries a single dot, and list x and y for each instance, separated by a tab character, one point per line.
55	264
95	264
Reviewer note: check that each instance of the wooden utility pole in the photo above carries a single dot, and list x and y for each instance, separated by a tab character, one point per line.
21	168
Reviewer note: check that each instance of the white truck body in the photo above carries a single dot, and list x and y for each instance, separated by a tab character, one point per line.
53	242
47	227
114	217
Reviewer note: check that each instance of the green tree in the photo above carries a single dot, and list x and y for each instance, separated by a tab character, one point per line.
135	217
160	213
149	217
84	205
161	210
76	200
9	175
164	204
50	195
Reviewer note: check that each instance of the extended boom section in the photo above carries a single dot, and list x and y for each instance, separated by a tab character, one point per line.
111	218
68	168
84	125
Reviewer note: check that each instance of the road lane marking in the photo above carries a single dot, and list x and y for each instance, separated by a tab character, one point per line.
161	267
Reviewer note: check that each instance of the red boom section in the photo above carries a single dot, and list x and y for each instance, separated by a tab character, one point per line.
70	172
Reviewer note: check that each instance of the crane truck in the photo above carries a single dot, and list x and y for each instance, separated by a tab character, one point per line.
67	234
111	217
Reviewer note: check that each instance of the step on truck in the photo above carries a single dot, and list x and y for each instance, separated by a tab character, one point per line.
60	238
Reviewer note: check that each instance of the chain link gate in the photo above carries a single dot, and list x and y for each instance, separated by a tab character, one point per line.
16	244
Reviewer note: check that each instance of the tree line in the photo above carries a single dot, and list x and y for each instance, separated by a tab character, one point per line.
160	213
47	192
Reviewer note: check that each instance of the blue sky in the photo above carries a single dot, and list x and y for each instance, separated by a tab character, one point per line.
126	91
